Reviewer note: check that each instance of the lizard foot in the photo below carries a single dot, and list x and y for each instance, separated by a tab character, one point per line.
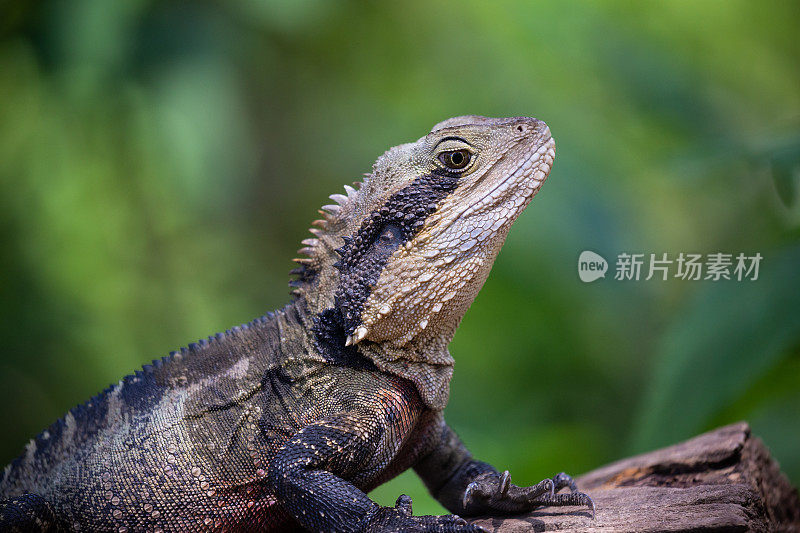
399	519
493	492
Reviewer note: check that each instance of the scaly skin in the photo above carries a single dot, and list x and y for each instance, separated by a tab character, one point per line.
289	420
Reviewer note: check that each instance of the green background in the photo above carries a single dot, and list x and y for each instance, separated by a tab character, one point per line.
161	161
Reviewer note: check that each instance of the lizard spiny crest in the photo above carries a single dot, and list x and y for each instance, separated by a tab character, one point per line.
320	250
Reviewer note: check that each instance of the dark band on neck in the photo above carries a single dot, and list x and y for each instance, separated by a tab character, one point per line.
363	258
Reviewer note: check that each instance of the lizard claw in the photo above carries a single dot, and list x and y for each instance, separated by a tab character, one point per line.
505	481
468	494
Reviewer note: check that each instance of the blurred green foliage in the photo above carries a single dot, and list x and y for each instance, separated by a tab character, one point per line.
160	162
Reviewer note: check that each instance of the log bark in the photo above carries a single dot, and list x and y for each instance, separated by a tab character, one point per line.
724	480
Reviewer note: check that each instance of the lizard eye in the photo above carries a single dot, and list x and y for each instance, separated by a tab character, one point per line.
455	159
390	236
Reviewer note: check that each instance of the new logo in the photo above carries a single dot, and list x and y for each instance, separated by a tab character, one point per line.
591	266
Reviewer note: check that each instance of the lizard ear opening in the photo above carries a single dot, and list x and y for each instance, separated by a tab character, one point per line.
363	258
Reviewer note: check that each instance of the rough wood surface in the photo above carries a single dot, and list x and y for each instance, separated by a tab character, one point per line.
724	480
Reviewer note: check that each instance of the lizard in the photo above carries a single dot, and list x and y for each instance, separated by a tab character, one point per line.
288	421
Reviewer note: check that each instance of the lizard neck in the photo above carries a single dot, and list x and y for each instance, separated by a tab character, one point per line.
426	361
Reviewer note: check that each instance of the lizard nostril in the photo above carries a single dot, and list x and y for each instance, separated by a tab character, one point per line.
519	128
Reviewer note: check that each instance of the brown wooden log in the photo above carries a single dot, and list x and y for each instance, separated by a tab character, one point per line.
724	480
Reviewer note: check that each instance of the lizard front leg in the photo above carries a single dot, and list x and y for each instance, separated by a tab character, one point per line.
470	488
310	475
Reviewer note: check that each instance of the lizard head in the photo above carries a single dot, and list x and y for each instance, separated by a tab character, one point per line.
415	243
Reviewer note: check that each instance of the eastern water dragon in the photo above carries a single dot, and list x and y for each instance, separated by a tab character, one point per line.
288	421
